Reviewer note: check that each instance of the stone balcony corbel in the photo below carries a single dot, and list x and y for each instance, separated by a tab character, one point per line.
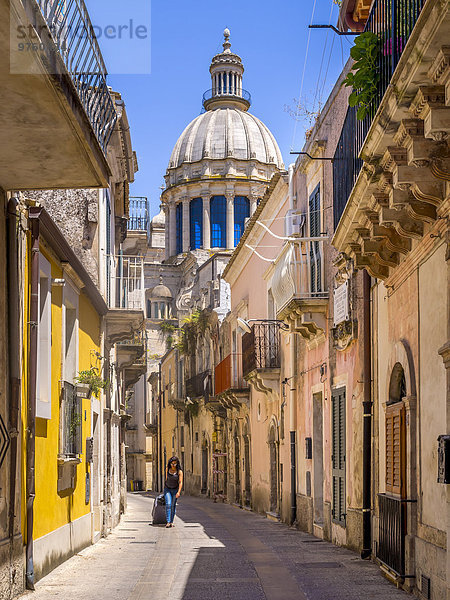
402	222
430	106
306	316
363	261
266	381
392	239
403	198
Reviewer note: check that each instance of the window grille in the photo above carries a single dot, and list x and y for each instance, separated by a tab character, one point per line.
196	223
70	422
218	212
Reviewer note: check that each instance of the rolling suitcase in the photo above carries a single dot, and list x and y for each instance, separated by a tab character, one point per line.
159	511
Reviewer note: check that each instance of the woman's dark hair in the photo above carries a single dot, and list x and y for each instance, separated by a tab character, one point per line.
171	460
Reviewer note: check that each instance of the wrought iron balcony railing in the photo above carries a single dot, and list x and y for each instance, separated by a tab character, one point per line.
393	22
138	219
74	37
261	348
199	385
227	375
239	94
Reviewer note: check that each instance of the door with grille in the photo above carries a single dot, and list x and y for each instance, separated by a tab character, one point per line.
338	455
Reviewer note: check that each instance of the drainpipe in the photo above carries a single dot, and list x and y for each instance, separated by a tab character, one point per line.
31	408
292	428
160	392
14	359
367	422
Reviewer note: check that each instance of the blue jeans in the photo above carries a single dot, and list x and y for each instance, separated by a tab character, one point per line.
171	501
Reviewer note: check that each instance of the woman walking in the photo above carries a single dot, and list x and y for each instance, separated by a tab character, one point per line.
172	488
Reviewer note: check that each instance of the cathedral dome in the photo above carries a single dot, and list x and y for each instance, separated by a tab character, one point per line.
226	132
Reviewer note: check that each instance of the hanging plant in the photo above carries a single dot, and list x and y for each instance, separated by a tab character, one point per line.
364	76
92	378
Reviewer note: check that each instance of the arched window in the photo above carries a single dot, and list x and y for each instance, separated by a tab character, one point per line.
179	226
196	223
241	212
218	211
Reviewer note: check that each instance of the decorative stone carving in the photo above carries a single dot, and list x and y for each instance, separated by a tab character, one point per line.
344	334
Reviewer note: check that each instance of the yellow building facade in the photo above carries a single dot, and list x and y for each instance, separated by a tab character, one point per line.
63	341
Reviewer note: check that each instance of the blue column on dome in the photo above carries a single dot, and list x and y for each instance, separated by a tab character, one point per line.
179	227
218	216
241	212
196	223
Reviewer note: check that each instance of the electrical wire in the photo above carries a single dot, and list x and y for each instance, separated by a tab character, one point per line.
303	73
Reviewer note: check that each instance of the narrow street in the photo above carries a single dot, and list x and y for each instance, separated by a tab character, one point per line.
214	551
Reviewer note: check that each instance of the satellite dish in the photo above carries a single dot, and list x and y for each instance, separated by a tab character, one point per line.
243	324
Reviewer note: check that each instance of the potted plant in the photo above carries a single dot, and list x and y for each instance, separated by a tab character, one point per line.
89	382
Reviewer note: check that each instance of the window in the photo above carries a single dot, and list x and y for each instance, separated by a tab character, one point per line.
71	422
149	309
179	227
44	358
314	231
218	215
241	213
108	247
70	332
196	223
338	455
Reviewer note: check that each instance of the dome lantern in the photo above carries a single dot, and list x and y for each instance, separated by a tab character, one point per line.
226	80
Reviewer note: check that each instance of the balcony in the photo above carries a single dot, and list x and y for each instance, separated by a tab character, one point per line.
55	98
138	226
199	386
261	359
393	198
386	21
230	387
298	287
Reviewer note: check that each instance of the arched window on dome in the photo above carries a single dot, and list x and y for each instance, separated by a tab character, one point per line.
241	213
218	215
179	227
196	223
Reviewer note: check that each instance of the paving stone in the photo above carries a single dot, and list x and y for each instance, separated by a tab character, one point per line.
215	551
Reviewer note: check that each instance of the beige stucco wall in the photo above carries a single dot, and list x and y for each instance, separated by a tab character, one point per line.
433	315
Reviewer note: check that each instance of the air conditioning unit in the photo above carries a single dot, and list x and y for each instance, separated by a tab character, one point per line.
293	223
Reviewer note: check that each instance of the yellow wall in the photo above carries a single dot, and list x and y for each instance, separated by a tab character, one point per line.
53	509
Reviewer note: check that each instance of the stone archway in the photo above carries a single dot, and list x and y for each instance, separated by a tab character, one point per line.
273	469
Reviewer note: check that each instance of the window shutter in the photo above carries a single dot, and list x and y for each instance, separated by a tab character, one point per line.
338	458
314	231
395	449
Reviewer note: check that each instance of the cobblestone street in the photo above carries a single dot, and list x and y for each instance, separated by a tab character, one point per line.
214	551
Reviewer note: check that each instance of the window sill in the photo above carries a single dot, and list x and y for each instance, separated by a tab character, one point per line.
68	460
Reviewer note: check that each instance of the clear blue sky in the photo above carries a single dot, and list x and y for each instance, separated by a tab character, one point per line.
271	38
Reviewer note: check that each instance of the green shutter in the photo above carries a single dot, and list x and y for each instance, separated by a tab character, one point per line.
314	231
338	456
